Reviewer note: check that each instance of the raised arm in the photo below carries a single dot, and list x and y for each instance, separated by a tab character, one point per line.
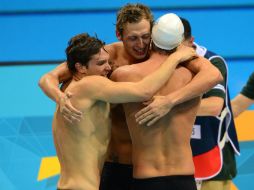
206	77
49	83
213	100
121	92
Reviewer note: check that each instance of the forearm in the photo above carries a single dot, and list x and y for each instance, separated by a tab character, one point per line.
49	85
193	89
239	104
199	85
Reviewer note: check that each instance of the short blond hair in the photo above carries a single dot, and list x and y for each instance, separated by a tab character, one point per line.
133	13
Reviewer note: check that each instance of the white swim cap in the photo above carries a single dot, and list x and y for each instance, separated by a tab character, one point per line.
167	32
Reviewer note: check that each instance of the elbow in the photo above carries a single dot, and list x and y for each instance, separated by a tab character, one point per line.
147	94
215	77
213	111
211	106
44	80
41	81
144	92
216	111
217	107
218	76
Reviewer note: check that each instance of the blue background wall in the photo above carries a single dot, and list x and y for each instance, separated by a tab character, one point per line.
33	36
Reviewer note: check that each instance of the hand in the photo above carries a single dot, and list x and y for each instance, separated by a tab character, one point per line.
70	114
76	77
156	109
185	53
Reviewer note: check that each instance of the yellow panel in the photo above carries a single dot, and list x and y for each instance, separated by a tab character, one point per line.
233	187
245	126
49	167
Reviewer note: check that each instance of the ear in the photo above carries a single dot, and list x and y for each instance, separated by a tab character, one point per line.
118	35
80	68
192	40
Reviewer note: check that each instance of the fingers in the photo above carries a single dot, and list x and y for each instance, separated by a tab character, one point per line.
68	94
71	119
68	105
67	111
146	119
153	121
145	116
76	77
67	119
141	112
73	110
75	119
72	116
148	101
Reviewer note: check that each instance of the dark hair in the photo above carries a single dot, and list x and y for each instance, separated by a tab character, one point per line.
80	49
133	13
187	28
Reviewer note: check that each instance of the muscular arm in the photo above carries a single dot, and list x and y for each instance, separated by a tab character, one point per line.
213	101
207	76
49	82
121	92
201	83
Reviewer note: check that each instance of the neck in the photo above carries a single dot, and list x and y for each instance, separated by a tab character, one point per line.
157	57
